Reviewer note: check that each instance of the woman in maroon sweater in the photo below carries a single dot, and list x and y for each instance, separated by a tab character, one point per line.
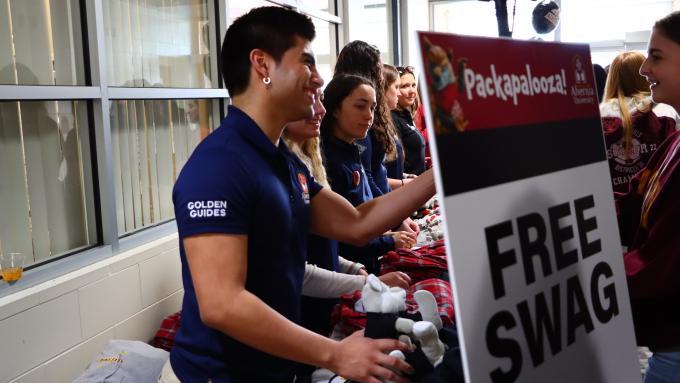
650	219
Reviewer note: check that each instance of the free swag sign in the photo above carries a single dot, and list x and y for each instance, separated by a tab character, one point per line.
535	258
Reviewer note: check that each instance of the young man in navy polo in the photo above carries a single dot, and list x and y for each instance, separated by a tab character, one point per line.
244	206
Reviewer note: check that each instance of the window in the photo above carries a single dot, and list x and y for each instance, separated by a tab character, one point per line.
152	140
609	19
41	43
159	43
626	26
324	48
476	18
46	195
320	5
368	21
101	104
240	8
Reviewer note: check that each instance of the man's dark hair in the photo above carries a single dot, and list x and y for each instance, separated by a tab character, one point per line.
272	29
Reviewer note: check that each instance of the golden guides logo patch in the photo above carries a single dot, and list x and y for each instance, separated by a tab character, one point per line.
207	209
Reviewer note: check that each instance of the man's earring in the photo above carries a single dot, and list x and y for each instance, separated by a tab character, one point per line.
266	80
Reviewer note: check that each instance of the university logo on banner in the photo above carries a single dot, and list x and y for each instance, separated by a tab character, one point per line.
534	252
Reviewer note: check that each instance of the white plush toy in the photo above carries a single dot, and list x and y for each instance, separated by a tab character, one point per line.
377	297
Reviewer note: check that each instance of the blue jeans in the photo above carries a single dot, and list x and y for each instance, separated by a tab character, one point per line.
664	367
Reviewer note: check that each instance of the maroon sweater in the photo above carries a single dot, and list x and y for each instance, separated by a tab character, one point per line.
653	260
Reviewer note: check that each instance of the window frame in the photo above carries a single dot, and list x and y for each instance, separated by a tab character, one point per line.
99	95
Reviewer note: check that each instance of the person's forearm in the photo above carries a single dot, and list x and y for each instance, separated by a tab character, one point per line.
390	210
359	225
322	283
395	183
349	267
249	320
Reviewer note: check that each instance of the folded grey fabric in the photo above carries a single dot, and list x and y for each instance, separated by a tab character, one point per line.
125	361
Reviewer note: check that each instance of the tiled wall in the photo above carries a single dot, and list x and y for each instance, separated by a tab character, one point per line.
50	332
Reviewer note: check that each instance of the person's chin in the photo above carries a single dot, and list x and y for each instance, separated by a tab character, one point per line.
313	134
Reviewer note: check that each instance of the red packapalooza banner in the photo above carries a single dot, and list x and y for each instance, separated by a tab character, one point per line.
515	88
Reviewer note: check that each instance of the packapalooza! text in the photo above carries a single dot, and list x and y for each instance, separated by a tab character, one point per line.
205	209
509	86
558	312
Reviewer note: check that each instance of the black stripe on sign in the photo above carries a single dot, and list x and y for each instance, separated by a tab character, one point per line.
487	157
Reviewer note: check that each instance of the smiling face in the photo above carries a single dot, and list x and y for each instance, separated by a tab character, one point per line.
662	69
407	90
302	130
295	81
355	115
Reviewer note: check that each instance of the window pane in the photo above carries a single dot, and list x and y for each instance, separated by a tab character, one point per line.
621	16
159	43
476	18
46	195
41	43
324	48
241	7
321	5
368	21
152	140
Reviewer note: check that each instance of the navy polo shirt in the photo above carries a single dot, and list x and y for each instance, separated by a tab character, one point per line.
316	312
412	140
395	169
347	178
238	182
373	160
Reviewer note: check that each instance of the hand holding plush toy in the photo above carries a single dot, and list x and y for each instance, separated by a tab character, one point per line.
383	304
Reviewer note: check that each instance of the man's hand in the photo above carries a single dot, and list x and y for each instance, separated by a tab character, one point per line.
365	360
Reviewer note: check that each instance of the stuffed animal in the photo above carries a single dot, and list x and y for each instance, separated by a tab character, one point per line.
383	305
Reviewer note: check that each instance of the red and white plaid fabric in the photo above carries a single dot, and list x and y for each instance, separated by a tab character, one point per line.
423	263
165	336
349	320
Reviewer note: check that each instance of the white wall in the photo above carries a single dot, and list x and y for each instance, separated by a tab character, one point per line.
50	332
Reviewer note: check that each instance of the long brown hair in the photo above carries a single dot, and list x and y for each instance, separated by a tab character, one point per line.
363	59
390	76
624	80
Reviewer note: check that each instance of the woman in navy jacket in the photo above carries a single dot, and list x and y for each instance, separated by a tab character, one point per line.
350	102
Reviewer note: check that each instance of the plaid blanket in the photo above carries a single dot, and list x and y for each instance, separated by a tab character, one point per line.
165	336
348	320
420	264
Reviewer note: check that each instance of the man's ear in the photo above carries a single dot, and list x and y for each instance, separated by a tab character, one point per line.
260	61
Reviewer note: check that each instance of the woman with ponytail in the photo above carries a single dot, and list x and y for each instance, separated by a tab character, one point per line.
634	127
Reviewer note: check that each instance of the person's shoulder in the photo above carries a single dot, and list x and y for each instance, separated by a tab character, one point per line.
665	110
219	149
220	158
610	108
